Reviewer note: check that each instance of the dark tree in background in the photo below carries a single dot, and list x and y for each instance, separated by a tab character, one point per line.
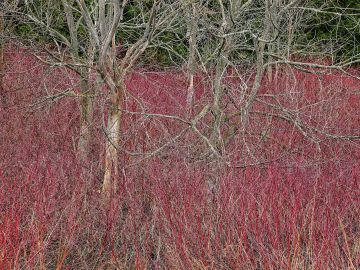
333	28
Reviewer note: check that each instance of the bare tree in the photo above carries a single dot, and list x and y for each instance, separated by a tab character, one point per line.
81	51
191	18
96	52
84	69
114	70
263	33
6	7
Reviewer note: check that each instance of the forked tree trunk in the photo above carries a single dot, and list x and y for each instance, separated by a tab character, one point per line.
112	141
260	53
220	71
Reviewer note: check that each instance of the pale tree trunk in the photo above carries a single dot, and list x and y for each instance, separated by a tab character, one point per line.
192	31
112	140
111	159
115	80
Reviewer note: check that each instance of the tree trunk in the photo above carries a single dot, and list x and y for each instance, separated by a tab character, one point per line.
218	94
86	110
112	141
260	46
192	29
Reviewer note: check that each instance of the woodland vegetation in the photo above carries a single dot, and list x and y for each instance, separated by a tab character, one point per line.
179	134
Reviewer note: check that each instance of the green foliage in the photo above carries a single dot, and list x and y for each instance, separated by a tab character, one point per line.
48	14
169	49
25	30
326	31
336	30
166	49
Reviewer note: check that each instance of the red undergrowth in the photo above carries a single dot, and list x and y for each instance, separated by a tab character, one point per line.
282	198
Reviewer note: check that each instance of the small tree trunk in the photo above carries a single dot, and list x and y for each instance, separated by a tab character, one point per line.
218	94
271	50
192	29
86	110
190	94
221	66
260	46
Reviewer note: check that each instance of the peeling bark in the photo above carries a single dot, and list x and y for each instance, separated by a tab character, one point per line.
111	151
112	142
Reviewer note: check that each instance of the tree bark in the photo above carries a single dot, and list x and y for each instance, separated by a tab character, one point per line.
86	102
86	117
260	45
192	30
220	70
112	141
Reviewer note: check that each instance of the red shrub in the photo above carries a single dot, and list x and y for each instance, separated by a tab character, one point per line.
292	204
